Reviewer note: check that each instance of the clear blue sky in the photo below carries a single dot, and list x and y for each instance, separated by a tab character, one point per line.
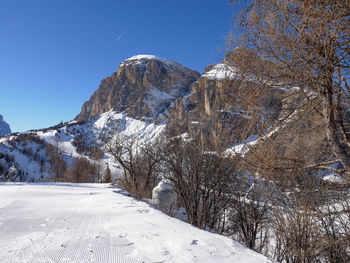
54	53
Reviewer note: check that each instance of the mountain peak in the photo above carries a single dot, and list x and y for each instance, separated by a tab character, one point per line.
150	57
4	127
146	60
144	87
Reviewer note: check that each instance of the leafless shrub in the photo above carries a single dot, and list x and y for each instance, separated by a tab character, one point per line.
250	210
140	164
202	181
82	171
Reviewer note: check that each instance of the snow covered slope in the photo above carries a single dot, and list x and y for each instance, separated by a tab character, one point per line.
98	223
4	127
101	130
29	154
222	72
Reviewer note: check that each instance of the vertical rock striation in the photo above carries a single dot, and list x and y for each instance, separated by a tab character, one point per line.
216	109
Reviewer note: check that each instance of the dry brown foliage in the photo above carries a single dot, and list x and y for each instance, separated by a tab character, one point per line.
304	44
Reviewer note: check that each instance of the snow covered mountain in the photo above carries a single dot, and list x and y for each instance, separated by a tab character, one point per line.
147	97
133	103
143	87
4	127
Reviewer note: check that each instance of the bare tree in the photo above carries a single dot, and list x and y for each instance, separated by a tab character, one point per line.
304	44
333	219
249	212
56	159
139	163
302	49
83	171
296	234
96	154
202	180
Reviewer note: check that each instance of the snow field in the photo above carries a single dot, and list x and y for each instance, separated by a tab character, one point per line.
99	223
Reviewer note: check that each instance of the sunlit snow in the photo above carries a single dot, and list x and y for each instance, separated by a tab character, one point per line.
66	222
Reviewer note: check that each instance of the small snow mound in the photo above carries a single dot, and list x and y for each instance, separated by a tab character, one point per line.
164	184
221	71
164	196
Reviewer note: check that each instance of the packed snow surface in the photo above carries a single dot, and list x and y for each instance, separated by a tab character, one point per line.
99	223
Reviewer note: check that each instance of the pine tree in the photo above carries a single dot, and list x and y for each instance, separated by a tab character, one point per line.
108	176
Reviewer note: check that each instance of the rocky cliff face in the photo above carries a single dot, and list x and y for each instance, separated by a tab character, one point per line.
216	111
143	87
4	127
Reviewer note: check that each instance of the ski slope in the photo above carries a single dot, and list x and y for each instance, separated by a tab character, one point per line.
99	223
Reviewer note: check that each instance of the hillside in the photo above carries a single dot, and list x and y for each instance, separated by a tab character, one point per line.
25	156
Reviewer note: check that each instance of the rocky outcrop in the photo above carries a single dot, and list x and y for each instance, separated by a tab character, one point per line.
4	127
216	110
143	87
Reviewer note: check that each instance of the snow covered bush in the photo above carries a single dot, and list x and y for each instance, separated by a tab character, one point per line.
164	196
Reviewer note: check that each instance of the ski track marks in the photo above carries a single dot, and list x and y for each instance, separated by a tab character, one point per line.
76	236
83	223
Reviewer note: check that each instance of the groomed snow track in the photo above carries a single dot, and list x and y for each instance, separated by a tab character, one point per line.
49	223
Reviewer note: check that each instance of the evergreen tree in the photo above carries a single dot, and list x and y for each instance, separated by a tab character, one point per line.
108	176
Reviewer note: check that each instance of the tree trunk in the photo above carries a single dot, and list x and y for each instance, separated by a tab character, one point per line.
331	131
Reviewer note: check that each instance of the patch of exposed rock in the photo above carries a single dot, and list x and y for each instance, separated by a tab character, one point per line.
144	86
4	127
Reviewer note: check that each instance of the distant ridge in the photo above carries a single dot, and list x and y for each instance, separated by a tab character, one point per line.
4	127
